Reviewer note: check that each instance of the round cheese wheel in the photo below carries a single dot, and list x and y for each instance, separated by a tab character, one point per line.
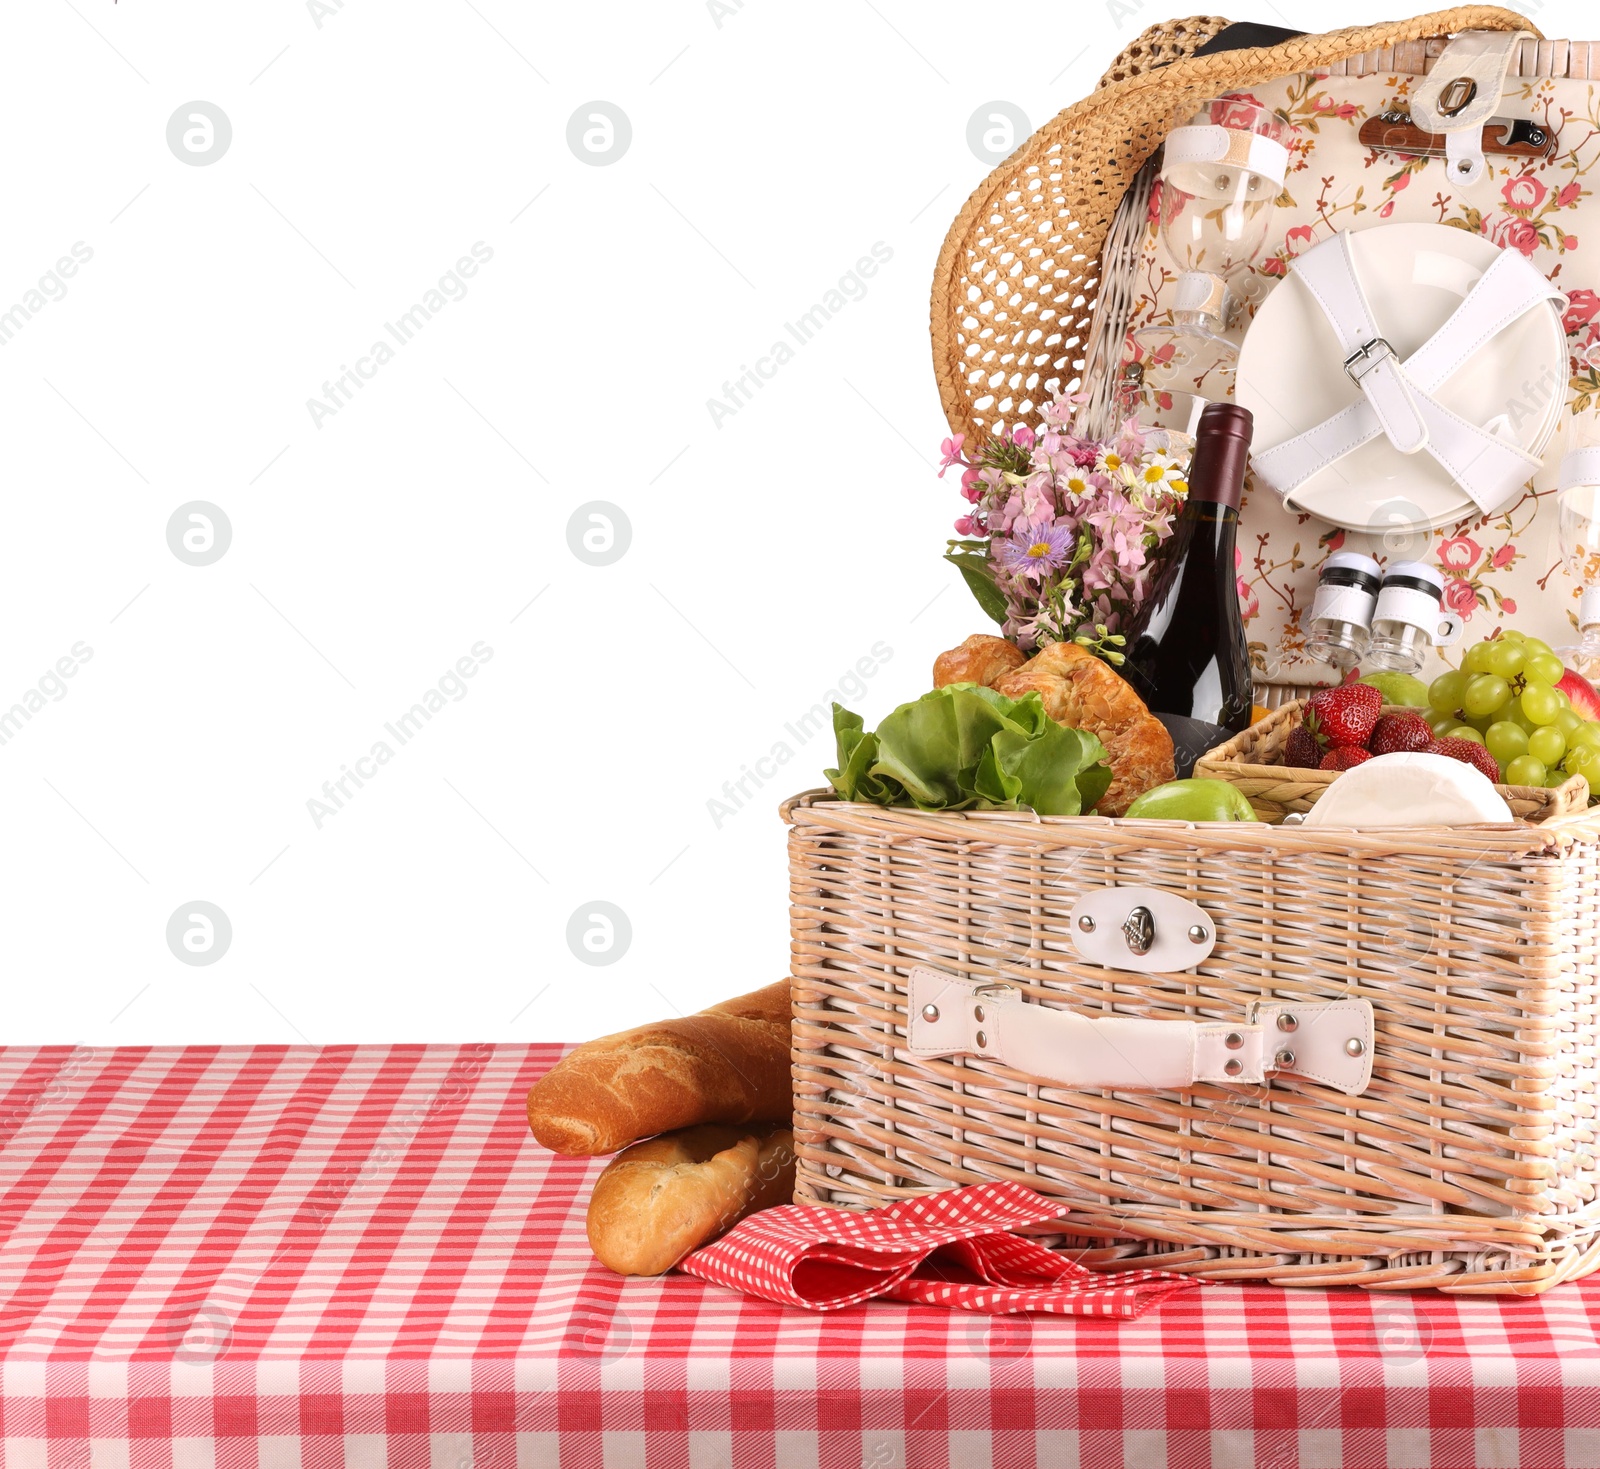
1410	790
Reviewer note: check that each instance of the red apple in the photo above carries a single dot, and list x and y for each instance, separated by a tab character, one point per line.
1580	693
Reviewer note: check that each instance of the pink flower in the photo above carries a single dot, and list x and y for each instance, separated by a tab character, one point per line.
1459	553
1524	194
1460	596
1569	242
1503	557
951	450
1569	195
1519	234
1583	306
1022	435
1343	110
1387	210
968	526
1508	604
1154	212
1400	181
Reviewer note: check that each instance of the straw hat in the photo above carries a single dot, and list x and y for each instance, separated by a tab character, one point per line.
1015	289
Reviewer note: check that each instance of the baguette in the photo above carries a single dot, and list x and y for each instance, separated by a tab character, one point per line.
727	1064
660	1199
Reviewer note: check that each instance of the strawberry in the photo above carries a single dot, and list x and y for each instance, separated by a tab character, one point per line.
1396	733
1342	717
1468	752
1343	758
1300	749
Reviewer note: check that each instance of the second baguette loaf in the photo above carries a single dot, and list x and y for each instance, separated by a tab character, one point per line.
729	1063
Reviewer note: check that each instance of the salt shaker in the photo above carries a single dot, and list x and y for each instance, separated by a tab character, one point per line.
1342	609
1409	619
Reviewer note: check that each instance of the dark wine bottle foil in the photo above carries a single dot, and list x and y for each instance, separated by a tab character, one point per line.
1186	652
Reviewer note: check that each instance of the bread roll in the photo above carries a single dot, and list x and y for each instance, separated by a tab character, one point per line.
982	659
1082	692
660	1199
727	1064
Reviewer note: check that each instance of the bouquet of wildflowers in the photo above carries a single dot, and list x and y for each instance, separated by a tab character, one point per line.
1058	543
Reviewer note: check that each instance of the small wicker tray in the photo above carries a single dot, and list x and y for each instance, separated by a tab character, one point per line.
1253	761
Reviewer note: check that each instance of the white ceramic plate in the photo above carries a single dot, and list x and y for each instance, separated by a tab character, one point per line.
1291	376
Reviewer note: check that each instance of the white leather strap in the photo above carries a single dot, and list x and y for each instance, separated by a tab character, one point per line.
1329	1043
1462	93
1579	467
1488	468
1212	143
1330	276
1202	293
1463	154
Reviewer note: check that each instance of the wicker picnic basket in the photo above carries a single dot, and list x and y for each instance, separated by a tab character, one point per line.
1467	1162
1450	1141
1253	761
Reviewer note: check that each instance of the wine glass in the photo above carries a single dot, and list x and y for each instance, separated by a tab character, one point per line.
1221	174
1168	416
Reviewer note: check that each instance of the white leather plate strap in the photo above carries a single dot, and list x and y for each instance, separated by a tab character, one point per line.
1330	276
1487	467
1212	143
1475	63
1330	1043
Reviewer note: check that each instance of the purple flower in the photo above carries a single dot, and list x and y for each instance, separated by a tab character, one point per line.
1035	550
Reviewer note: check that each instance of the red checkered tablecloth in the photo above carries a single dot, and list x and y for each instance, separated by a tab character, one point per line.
270	1256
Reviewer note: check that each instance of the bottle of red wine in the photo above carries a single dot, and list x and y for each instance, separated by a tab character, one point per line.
1186	652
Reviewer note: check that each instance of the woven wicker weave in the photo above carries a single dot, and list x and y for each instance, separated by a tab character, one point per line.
1469	1163
1253	761
1018	278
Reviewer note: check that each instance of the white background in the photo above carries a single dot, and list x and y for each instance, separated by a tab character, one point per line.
771	148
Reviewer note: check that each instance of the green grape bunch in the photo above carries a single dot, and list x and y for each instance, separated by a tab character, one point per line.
1504	696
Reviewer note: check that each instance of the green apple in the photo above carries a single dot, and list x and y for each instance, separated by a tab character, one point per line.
1193	800
1399	688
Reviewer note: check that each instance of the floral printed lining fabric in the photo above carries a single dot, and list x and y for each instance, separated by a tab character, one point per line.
1505	568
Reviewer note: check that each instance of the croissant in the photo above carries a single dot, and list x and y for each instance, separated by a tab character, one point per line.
982	659
1081	692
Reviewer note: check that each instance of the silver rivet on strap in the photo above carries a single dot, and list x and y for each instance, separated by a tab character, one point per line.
1233	1066
1086	923
1233	1040
977	1013
981	1039
1285	1059
1355	1046
1198	934
930	1013
1288	1024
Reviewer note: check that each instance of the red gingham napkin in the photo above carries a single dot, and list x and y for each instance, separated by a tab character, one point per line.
945	1249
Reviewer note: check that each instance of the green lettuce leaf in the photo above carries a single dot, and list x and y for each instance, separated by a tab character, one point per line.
967	747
